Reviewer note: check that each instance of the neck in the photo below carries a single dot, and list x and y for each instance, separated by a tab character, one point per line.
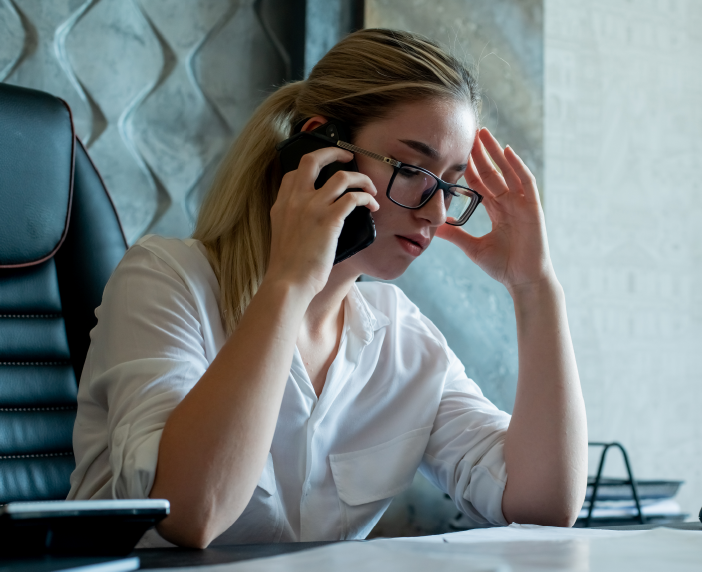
326	307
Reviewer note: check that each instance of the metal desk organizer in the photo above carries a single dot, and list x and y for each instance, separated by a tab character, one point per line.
600	488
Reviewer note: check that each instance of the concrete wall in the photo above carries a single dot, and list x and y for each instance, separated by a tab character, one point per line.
623	198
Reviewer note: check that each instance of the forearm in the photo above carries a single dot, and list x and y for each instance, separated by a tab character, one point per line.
546	443
215	443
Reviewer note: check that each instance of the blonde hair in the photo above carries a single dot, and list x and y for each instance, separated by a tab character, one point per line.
359	80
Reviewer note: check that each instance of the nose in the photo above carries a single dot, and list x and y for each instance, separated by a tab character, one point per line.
435	210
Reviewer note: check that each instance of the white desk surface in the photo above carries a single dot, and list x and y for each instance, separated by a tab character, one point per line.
510	549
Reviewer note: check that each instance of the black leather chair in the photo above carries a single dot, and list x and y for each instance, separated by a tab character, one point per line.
60	240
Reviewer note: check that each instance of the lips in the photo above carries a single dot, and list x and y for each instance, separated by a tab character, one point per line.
419	239
413	244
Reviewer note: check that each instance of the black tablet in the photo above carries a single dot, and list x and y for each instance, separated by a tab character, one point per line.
69	564
91	527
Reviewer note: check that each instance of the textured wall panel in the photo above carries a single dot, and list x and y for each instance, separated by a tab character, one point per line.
12	34
176	129
119	70
623	204
42	64
236	68
158	89
238	65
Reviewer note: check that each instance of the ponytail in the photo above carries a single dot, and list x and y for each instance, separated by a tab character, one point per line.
234	221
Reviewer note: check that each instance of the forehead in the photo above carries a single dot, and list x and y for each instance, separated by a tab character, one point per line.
446	125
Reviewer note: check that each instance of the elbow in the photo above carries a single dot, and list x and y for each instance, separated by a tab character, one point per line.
565	519
557	502
543	510
561	519
194	524
188	534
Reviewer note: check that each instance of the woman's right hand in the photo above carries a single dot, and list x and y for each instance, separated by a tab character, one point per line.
306	222
209	473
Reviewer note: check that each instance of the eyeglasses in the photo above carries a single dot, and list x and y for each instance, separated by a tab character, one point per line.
412	187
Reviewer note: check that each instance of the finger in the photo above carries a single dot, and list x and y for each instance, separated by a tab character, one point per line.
312	163
343	207
486	170
497	154
474	181
531	192
468	243
341	181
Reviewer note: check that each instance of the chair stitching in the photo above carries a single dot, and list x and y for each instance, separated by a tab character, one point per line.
36	455
56	408
30	316
35	362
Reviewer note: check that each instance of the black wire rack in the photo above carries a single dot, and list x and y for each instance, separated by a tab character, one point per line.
601	488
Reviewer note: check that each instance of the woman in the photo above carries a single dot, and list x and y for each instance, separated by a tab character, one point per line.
251	382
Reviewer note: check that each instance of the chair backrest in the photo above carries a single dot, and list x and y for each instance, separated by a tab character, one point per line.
60	240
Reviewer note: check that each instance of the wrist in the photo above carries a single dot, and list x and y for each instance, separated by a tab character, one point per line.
289	291
528	295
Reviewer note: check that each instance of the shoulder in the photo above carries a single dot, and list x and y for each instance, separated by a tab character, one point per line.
163	276
406	319
175	252
154	272
183	259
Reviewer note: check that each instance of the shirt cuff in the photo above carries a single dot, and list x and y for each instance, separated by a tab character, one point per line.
487	485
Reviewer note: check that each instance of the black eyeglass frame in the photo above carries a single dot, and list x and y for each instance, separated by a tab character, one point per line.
398	165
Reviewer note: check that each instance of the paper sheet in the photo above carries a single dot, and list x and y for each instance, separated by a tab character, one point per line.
520	533
510	549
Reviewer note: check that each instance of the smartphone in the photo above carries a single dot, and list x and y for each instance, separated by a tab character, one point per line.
358	231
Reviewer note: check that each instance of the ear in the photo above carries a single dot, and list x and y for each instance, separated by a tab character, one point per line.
313	123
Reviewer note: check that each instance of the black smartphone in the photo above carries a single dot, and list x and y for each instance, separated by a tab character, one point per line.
358	231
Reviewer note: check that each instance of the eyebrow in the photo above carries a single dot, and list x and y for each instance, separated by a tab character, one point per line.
430	152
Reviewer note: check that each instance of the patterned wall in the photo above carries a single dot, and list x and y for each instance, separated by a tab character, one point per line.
623	196
158	89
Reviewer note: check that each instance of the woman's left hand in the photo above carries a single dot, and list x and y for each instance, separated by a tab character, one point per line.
515	252
545	449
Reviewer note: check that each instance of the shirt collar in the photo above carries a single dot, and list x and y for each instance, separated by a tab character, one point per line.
363	318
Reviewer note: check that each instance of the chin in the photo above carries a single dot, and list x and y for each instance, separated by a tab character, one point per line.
381	269
385	274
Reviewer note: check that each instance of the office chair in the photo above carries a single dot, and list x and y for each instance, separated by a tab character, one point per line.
60	240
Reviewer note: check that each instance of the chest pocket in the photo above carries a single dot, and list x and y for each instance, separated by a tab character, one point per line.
367	480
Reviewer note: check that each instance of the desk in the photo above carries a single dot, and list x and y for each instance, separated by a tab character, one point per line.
179	557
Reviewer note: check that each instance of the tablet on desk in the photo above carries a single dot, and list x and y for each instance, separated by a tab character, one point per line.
69	564
91	527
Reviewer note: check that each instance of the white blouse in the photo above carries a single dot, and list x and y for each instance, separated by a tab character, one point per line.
396	399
